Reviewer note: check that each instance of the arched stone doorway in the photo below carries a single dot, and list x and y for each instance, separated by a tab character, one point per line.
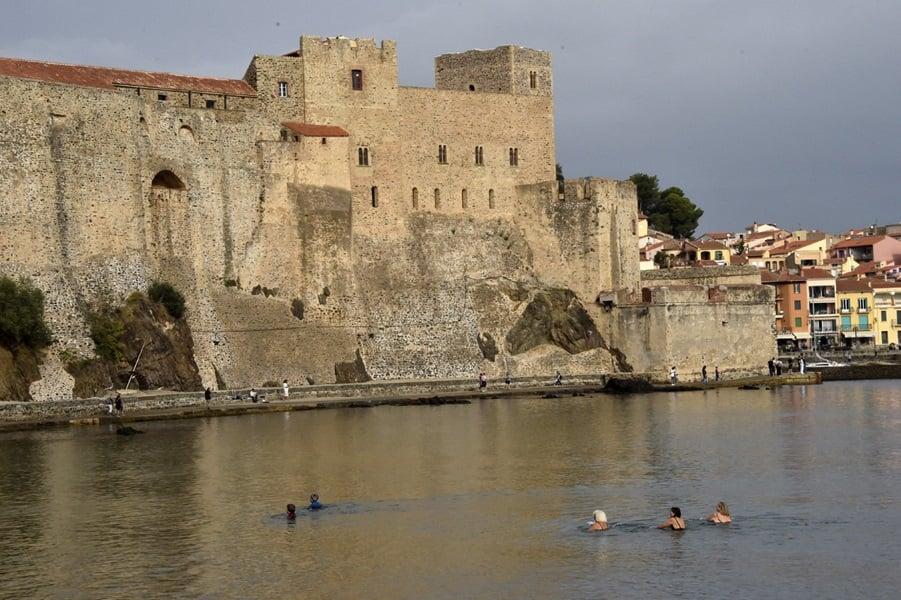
168	225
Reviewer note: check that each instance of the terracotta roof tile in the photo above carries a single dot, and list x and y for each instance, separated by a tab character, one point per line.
781	277
814	273
311	130
710	245
856	242
109	78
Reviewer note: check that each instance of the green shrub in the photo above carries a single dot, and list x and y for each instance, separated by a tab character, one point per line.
134	297
169	297
22	314
107	332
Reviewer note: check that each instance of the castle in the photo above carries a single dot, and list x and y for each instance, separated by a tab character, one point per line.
325	222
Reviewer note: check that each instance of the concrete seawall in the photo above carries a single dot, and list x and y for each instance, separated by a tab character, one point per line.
149	406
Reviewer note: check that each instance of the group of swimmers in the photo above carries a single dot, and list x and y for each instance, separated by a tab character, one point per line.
675	522
315	504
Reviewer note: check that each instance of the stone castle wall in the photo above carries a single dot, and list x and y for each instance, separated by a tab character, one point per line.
291	270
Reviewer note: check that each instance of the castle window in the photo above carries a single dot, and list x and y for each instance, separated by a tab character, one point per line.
162	97
533	79
284	135
514	157
437	198
282	89
356	79
363	156
211	104
464	198
442	154
490	198
480	156
415	198
375	196
472	88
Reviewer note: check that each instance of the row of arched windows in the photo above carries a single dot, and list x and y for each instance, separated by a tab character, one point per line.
436	194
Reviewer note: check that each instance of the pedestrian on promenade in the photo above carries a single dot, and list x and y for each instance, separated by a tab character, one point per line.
120	406
208	394
483	381
772	366
673	378
507	379
802	365
253	395
285	391
778	367
716	373
704	373
558	380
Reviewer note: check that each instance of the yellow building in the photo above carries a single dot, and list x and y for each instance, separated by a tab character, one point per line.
869	311
887	312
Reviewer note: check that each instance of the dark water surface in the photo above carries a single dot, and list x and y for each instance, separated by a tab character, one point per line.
480	501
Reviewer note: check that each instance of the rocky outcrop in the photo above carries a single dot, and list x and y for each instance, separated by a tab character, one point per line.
18	369
167	359
556	317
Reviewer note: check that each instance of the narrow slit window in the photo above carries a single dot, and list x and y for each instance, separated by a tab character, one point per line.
282	89
437	198
356	79
162	97
211	104
514	157
480	156
363	156
375	196
415	198
533	79
442	154
490	198
464	199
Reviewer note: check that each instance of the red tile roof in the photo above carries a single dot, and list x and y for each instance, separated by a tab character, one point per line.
781	277
311	130
709	245
813	273
867	240
717	235
109	78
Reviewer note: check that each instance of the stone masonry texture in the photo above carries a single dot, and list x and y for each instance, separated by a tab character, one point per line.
374	255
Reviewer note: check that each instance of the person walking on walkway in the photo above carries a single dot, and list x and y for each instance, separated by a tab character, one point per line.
673	378
704	373
120	406
772	366
716	373
285	390
802	365
558	380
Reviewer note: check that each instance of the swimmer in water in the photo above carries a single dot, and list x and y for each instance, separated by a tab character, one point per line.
292	512
675	521
600	521
721	515
314	502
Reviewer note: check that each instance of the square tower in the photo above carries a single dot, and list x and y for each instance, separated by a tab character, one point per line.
506	69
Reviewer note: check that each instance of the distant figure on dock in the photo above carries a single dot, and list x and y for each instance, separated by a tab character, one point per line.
673	377
558	380
253	395
721	514
315	504
120	405
109	405
507	379
704	374
675	521
291	514
772	366
483	381
802	365
716	373
778	366
600	521
208	394
285	390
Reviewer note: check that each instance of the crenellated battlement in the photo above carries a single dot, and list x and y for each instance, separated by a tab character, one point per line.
316	46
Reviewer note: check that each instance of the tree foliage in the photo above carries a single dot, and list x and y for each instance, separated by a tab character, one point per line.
670	210
169	297
106	333
22	314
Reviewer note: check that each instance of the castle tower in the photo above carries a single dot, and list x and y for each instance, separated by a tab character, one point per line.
506	69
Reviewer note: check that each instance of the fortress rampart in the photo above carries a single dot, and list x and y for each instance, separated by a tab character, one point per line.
323	220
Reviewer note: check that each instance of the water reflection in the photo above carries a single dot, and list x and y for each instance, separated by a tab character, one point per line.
487	500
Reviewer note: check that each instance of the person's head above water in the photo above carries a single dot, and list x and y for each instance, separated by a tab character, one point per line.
676	512
314	498
291	510
600	516
722	508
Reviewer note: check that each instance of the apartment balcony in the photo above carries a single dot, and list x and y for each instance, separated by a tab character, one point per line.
845	311
865	327
823	315
865	310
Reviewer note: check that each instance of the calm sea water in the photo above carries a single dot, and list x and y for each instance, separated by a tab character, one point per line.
481	501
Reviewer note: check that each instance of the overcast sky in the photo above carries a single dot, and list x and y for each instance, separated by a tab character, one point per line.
785	111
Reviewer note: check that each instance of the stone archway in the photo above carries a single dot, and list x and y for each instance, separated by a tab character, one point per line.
168	225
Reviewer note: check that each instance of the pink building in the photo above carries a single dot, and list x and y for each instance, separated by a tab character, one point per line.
871	248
